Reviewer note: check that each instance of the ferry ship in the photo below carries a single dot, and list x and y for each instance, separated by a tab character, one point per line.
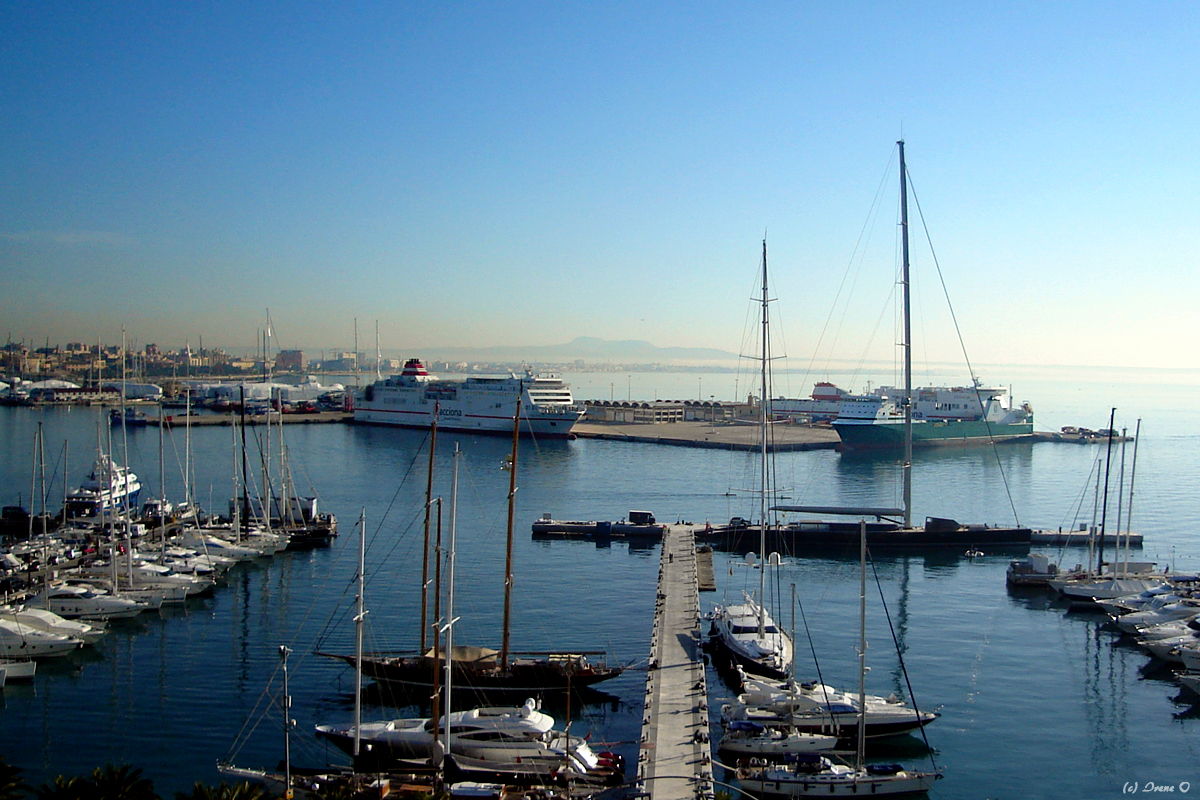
477	404
941	416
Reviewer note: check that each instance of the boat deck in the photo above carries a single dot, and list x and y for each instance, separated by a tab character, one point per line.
675	761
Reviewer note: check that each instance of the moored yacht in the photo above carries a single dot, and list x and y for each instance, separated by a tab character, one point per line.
746	632
43	620
108	489
80	602
516	742
817	708
22	641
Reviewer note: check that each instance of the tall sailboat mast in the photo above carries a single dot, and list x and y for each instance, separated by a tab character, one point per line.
359	619
907	341
508	549
764	421
428	507
451	556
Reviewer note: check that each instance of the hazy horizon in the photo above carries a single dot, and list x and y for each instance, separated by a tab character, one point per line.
470	175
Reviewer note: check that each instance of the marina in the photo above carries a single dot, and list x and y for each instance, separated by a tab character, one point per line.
398	402
966	634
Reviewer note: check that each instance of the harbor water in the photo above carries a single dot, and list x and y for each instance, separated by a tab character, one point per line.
1035	700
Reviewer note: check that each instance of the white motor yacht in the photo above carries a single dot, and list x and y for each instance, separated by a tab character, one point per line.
21	641
1171	649
744	739
1168	630
1104	588
204	541
817	708
87	603
751	638
44	620
1155	597
507	740
1136	620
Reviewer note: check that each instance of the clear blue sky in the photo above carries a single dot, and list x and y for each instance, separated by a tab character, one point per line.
524	173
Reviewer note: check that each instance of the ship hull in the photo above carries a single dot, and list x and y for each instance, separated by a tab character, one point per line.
457	419
524	676
890	435
832	535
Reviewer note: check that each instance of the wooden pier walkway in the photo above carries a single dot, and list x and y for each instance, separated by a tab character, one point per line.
675	761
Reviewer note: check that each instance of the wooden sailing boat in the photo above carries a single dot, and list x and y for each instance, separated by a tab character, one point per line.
812	775
745	631
516	743
483	670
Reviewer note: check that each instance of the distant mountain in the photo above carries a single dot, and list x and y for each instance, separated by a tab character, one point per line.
586	348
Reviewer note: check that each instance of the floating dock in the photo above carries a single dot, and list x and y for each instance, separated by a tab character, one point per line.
675	762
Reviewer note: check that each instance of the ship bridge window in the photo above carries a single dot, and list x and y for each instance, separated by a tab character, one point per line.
490	736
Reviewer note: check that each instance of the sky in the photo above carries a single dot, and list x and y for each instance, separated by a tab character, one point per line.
522	173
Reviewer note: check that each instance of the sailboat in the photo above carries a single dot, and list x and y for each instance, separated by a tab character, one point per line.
813	775
893	527
745	631
1099	584
747	739
817	708
512	743
484	670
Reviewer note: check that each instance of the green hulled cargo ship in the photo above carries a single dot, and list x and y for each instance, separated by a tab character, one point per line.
941	416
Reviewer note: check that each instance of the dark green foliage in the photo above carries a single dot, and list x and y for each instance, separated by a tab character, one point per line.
225	791
12	785
105	783
121	783
66	788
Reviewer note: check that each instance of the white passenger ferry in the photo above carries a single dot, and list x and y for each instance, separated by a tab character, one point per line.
477	404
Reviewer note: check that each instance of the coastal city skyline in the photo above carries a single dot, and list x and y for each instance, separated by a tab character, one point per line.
470	176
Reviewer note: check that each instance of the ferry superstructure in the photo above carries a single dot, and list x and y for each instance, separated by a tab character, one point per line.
940	416
478	404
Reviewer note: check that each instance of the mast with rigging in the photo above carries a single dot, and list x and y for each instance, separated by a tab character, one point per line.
907	322
508	549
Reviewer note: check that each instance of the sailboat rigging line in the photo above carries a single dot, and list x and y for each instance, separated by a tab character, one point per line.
1077	506
254	718
962	345
900	656
337	617
1104	508
1137	435
401	483
817	664
857	254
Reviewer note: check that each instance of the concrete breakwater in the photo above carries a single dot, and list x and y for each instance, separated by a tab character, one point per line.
178	420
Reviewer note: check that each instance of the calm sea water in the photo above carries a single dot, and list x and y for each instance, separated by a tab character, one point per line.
1035	701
